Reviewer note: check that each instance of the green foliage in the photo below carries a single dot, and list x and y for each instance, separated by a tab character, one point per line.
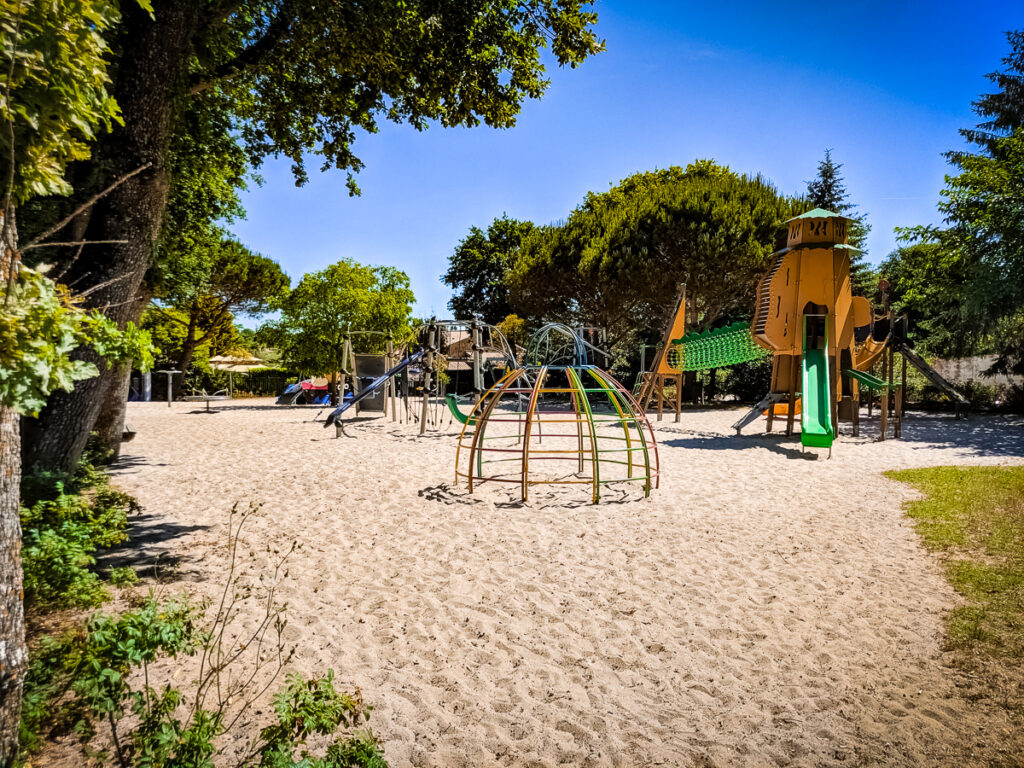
39	327
123	577
827	191
748	382
64	520
316	314
308	707
479	267
920	277
619	258
979	255
89	680
305	76
57	85
209	169
513	328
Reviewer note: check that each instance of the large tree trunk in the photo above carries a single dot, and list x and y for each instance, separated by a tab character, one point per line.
188	350
151	78
13	653
110	419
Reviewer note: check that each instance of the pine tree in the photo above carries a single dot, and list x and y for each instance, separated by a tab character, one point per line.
827	191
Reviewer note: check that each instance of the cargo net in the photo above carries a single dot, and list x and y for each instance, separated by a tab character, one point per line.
717	348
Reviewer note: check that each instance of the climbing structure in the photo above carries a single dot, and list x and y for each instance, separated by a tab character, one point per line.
662	375
570	424
715	348
805	315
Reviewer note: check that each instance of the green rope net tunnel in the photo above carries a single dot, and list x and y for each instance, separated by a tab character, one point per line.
717	348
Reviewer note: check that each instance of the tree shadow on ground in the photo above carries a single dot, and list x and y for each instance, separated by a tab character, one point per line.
129	464
147	549
981	434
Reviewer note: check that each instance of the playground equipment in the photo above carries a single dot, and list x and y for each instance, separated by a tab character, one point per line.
557	424
375	386
662	374
822	339
408	372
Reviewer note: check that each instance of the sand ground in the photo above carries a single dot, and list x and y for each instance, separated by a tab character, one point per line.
760	608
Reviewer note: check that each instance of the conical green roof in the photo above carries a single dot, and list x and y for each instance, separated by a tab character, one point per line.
818	213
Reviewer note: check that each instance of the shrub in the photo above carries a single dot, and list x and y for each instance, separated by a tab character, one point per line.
90	680
748	382
64	520
123	577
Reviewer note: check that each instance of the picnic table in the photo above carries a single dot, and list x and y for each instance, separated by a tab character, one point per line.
205	398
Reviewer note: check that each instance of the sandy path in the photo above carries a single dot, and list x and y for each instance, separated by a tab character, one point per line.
758	609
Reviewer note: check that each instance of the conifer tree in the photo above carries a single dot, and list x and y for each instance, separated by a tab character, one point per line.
827	191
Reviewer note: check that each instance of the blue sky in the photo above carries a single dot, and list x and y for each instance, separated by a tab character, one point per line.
760	87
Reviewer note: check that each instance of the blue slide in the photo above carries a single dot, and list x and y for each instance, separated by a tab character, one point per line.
373	386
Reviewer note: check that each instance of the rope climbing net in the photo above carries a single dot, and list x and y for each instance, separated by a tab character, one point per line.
717	348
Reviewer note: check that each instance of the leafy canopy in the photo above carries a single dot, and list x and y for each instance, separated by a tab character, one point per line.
478	269
55	72
325	305
306	76
981	248
39	327
621	255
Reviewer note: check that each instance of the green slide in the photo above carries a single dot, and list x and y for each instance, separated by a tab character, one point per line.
816	429
453	406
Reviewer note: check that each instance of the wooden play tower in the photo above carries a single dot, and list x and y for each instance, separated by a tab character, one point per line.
805	315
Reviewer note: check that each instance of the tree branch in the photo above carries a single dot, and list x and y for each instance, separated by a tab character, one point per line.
167	315
249	57
85	206
72	242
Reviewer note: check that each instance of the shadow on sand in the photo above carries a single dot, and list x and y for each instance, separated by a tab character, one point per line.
148	549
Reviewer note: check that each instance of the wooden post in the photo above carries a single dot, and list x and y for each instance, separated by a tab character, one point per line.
856	408
791	416
899	398
883	405
428	370
771	386
679	394
659	384
346	353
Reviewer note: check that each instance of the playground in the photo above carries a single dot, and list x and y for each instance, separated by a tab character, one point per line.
762	605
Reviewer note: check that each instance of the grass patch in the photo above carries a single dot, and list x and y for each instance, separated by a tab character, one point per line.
974	516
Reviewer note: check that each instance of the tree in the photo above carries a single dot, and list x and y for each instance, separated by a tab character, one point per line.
298	78
224	281
981	248
827	191
479	267
619	258
54	98
325	305
919	276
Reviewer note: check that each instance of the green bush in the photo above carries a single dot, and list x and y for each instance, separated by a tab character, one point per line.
86	682
123	577
97	677
64	520
748	382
